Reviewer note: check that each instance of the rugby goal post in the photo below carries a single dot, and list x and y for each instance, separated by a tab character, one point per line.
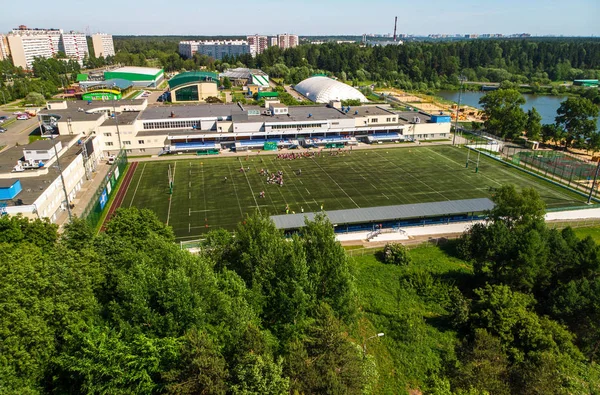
476	162
170	176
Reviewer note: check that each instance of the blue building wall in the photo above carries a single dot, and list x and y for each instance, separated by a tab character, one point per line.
440	119
11	192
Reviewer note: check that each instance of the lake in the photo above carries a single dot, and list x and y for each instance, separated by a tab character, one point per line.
545	105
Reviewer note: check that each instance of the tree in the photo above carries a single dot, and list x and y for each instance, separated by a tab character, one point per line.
533	126
37	99
577	115
396	254
226	83
505	117
553	132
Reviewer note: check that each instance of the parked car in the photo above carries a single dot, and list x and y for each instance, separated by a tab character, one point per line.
23	117
3	117
2	130
17	113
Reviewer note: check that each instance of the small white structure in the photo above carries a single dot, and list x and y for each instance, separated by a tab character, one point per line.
41	150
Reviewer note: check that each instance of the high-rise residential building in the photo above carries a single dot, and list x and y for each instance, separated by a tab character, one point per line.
4	48
26	44
287	40
103	45
273	41
214	49
257	44
74	45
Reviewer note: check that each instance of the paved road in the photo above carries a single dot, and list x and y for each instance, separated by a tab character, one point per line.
295	94
17	132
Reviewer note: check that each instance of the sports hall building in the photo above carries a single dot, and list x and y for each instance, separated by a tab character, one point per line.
202	127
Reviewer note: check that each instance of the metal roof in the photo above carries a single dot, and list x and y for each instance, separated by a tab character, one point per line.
324	89
193	76
388	213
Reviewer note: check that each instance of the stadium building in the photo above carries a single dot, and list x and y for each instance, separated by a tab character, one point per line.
322	89
243	77
139	76
196	128
194	86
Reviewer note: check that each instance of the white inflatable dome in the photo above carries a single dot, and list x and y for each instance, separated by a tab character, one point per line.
324	89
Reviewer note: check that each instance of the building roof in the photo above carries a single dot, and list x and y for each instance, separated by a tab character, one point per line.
6	183
118	82
242	73
124	118
33	187
388	213
324	89
137	70
295	113
44	144
193	76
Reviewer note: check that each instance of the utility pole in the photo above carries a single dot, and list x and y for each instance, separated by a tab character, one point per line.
116	120
62	179
461	79
593	183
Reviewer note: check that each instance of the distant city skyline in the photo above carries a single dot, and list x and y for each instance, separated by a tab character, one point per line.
311	17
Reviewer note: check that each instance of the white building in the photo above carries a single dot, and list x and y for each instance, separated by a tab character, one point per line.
257	44
215	49
74	45
287	40
26	44
273	42
4	48
103	45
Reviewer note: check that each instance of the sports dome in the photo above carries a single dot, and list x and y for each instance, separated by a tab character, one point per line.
324	89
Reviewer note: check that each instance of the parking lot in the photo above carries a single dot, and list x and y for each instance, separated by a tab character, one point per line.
17	131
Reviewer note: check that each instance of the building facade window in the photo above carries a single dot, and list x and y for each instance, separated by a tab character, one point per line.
140	142
109	144
107	134
126	142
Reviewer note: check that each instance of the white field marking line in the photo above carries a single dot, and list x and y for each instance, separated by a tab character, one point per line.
248	181
335	182
171	197
296	186
202	211
416	178
189	228
385	180
453	161
349	165
189	195
235	190
374	187
138	184
189	184
189	212
385	196
307	190
203	186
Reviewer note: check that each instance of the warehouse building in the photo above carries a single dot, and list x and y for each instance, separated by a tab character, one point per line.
242	77
139	76
194	86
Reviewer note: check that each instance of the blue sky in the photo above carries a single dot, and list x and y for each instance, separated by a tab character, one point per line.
309	17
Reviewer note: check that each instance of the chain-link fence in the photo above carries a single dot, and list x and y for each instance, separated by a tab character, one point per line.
95	208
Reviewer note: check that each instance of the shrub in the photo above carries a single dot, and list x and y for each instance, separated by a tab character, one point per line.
396	254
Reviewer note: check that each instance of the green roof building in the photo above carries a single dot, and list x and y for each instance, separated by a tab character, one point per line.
194	86
587	83
140	76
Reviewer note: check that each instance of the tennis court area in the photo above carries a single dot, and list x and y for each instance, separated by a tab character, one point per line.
212	192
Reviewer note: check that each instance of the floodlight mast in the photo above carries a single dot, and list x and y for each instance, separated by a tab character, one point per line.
461	79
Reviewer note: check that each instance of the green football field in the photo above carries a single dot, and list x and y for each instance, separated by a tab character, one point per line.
202	199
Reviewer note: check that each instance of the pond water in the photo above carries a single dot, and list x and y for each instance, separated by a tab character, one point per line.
545	105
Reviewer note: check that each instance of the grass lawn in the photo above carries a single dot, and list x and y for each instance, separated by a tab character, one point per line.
594	232
406	303
202	199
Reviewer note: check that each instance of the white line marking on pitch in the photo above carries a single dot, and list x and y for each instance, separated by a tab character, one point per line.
171	196
189	195
189	228
385	196
138	185
190	212
307	191
248	181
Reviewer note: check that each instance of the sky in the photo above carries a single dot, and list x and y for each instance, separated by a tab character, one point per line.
308	17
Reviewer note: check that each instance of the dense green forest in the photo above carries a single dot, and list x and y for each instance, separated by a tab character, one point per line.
512	307
415	65
419	66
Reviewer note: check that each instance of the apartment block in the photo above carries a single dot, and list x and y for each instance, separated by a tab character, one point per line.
74	45
215	49
287	40
103	45
4	48
257	44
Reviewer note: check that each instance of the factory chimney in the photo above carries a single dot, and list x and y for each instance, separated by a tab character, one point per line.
395	25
